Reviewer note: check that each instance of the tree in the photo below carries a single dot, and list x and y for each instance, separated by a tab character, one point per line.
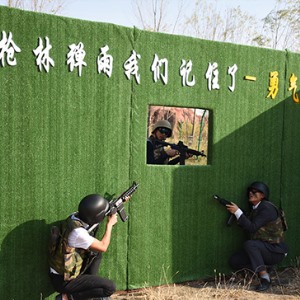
278	30
281	28
232	25
46	6
204	20
154	15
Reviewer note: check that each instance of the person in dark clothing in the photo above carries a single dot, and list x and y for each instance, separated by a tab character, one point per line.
75	258
266	246
157	154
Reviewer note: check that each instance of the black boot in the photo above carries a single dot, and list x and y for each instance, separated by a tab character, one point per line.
264	285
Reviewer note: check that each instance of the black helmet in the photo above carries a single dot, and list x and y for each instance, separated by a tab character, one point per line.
260	186
92	209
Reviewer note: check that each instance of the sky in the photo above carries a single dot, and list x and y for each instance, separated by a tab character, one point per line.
121	12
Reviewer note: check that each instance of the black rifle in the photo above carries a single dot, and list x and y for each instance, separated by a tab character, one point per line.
116	205
182	149
224	202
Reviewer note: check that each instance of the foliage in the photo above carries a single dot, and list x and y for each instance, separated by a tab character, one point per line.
49	6
279	29
153	15
209	22
280	26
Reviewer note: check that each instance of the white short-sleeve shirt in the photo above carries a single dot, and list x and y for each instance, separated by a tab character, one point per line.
79	237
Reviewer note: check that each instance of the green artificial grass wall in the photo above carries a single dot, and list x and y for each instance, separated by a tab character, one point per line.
64	136
185	234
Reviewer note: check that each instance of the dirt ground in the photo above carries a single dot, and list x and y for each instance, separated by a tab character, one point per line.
285	285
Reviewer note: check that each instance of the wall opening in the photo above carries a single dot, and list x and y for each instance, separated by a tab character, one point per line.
190	127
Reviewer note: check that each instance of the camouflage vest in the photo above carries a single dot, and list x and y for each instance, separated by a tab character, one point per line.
158	150
66	260
272	232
